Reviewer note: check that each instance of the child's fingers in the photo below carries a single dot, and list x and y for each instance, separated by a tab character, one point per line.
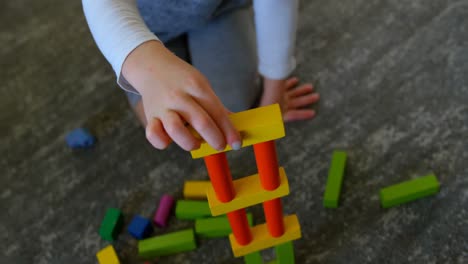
156	134
176	129
301	90
302	101
216	110
291	82
201	121
295	115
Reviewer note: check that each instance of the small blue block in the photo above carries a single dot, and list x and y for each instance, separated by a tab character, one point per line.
140	227
80	138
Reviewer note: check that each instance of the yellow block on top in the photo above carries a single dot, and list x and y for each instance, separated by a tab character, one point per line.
196	189
107	255
256	126
249	192
262	238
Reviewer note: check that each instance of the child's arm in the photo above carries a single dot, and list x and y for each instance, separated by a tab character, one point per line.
276	26
173	92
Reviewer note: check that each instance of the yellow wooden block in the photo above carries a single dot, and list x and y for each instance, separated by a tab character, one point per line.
196	189
255	125
249	192
262	238
107	255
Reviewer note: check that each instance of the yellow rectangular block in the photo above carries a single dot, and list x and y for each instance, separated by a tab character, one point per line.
249	192
256	126
262	239
196	189
107	255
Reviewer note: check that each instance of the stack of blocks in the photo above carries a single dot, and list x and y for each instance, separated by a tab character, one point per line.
259	127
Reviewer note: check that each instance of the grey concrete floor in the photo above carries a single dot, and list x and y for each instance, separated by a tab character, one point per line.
393	76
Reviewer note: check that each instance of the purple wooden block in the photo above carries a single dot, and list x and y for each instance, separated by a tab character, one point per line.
162	214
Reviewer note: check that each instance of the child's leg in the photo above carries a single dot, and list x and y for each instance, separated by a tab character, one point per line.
225	52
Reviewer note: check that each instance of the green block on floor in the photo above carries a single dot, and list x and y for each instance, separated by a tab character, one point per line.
285	253
191	210
167	244
216	226
111	225
253	258
335	179
409	191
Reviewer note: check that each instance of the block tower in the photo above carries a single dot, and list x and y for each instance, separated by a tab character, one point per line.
259	128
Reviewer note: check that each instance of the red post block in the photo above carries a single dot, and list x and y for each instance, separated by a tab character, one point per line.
240	226
220	176
274	217
267	164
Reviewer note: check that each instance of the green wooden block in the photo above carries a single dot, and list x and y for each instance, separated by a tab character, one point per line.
285	253
253	258
409	190
191	210
216	226
111	224
335	178
167	244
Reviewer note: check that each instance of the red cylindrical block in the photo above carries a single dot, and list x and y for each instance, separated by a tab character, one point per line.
220	176
240	226
274	217
267	164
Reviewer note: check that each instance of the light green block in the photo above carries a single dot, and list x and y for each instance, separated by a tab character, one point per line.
167	244
409	190
285	253
216	226
111	225
191	210
253	258
335	179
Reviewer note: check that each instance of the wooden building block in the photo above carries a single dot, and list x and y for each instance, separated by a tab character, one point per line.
140	227
253	258
111	224
167	244
262	239
285	253
196	189
248	192
409	190
216	226
335	179
164	210
107	255
191	210
255	125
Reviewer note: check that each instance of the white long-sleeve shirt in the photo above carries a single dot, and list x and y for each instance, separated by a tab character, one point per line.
118	29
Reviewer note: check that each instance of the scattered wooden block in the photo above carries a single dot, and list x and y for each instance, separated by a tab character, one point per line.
107	255
248	192
335	178
140	227
191	210
164	209
285	253
255	125
213	227
111	224
253	258
196	189
409	190
167	244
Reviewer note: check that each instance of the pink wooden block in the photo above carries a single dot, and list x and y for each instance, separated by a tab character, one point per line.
162	214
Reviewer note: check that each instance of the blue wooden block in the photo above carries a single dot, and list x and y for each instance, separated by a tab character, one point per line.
80	138
140	227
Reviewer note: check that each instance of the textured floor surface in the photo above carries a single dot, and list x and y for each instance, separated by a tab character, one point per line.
393	76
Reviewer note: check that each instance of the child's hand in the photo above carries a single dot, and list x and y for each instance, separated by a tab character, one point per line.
175	93
292	98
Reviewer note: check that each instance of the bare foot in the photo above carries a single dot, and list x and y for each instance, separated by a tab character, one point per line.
292	98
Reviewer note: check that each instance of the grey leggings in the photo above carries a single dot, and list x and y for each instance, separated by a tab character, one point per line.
224	50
